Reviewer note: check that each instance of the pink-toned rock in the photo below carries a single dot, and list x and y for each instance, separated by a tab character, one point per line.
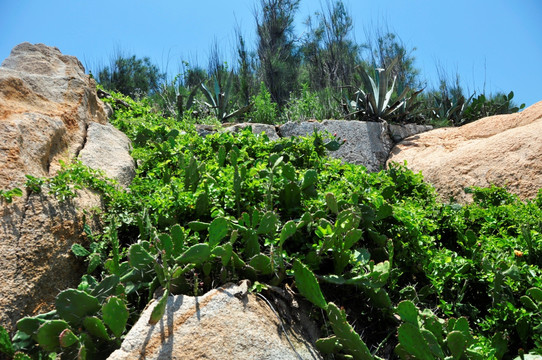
504	150
47	104
225	323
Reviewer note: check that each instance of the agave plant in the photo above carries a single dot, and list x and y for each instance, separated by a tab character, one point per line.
219	99
372	99
173	97
450	107
411	110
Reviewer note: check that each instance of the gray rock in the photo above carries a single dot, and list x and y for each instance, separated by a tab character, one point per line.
226	323
367	143
400	132
257	129
108	149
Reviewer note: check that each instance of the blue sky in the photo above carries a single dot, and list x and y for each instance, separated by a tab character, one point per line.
493	45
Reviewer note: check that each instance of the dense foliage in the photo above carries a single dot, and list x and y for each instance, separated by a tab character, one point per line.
441	280
374	81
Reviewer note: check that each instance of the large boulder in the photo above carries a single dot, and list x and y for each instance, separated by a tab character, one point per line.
367	143
257	129
47	106
108	149
225	323
503	150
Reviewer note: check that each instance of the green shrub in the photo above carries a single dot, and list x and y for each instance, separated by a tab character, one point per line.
264	110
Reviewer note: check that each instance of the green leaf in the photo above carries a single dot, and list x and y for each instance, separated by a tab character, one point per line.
457	343
79	250
334	279
308	285
196	254
462	324
288	171
352	237
159	309
115	315
500	343
351	341
49	332
528	303
139	258
237	261
268	224
535	293
93	263
202	204
95	327
328	345
433	343
287	231
413	342
166	244
73	305
331	203
332	145
383	212
198	226
177	236
262	263
5	342
224	252
67	338
29	325
310	178
105	288
217	231
408	312
380	298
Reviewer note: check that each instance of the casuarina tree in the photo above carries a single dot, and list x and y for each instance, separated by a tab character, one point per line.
279	59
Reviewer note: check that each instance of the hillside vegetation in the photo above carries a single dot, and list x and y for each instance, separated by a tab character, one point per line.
441	280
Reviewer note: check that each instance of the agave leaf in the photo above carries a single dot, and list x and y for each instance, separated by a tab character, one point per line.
209	96
227	89
385	101
191	96
382	96
239	111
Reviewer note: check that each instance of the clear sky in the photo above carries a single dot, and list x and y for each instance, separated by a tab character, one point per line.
491	43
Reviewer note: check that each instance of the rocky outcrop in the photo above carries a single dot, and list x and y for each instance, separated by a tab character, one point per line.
367	143
225	323
49	111
108	149
503	150
269	130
